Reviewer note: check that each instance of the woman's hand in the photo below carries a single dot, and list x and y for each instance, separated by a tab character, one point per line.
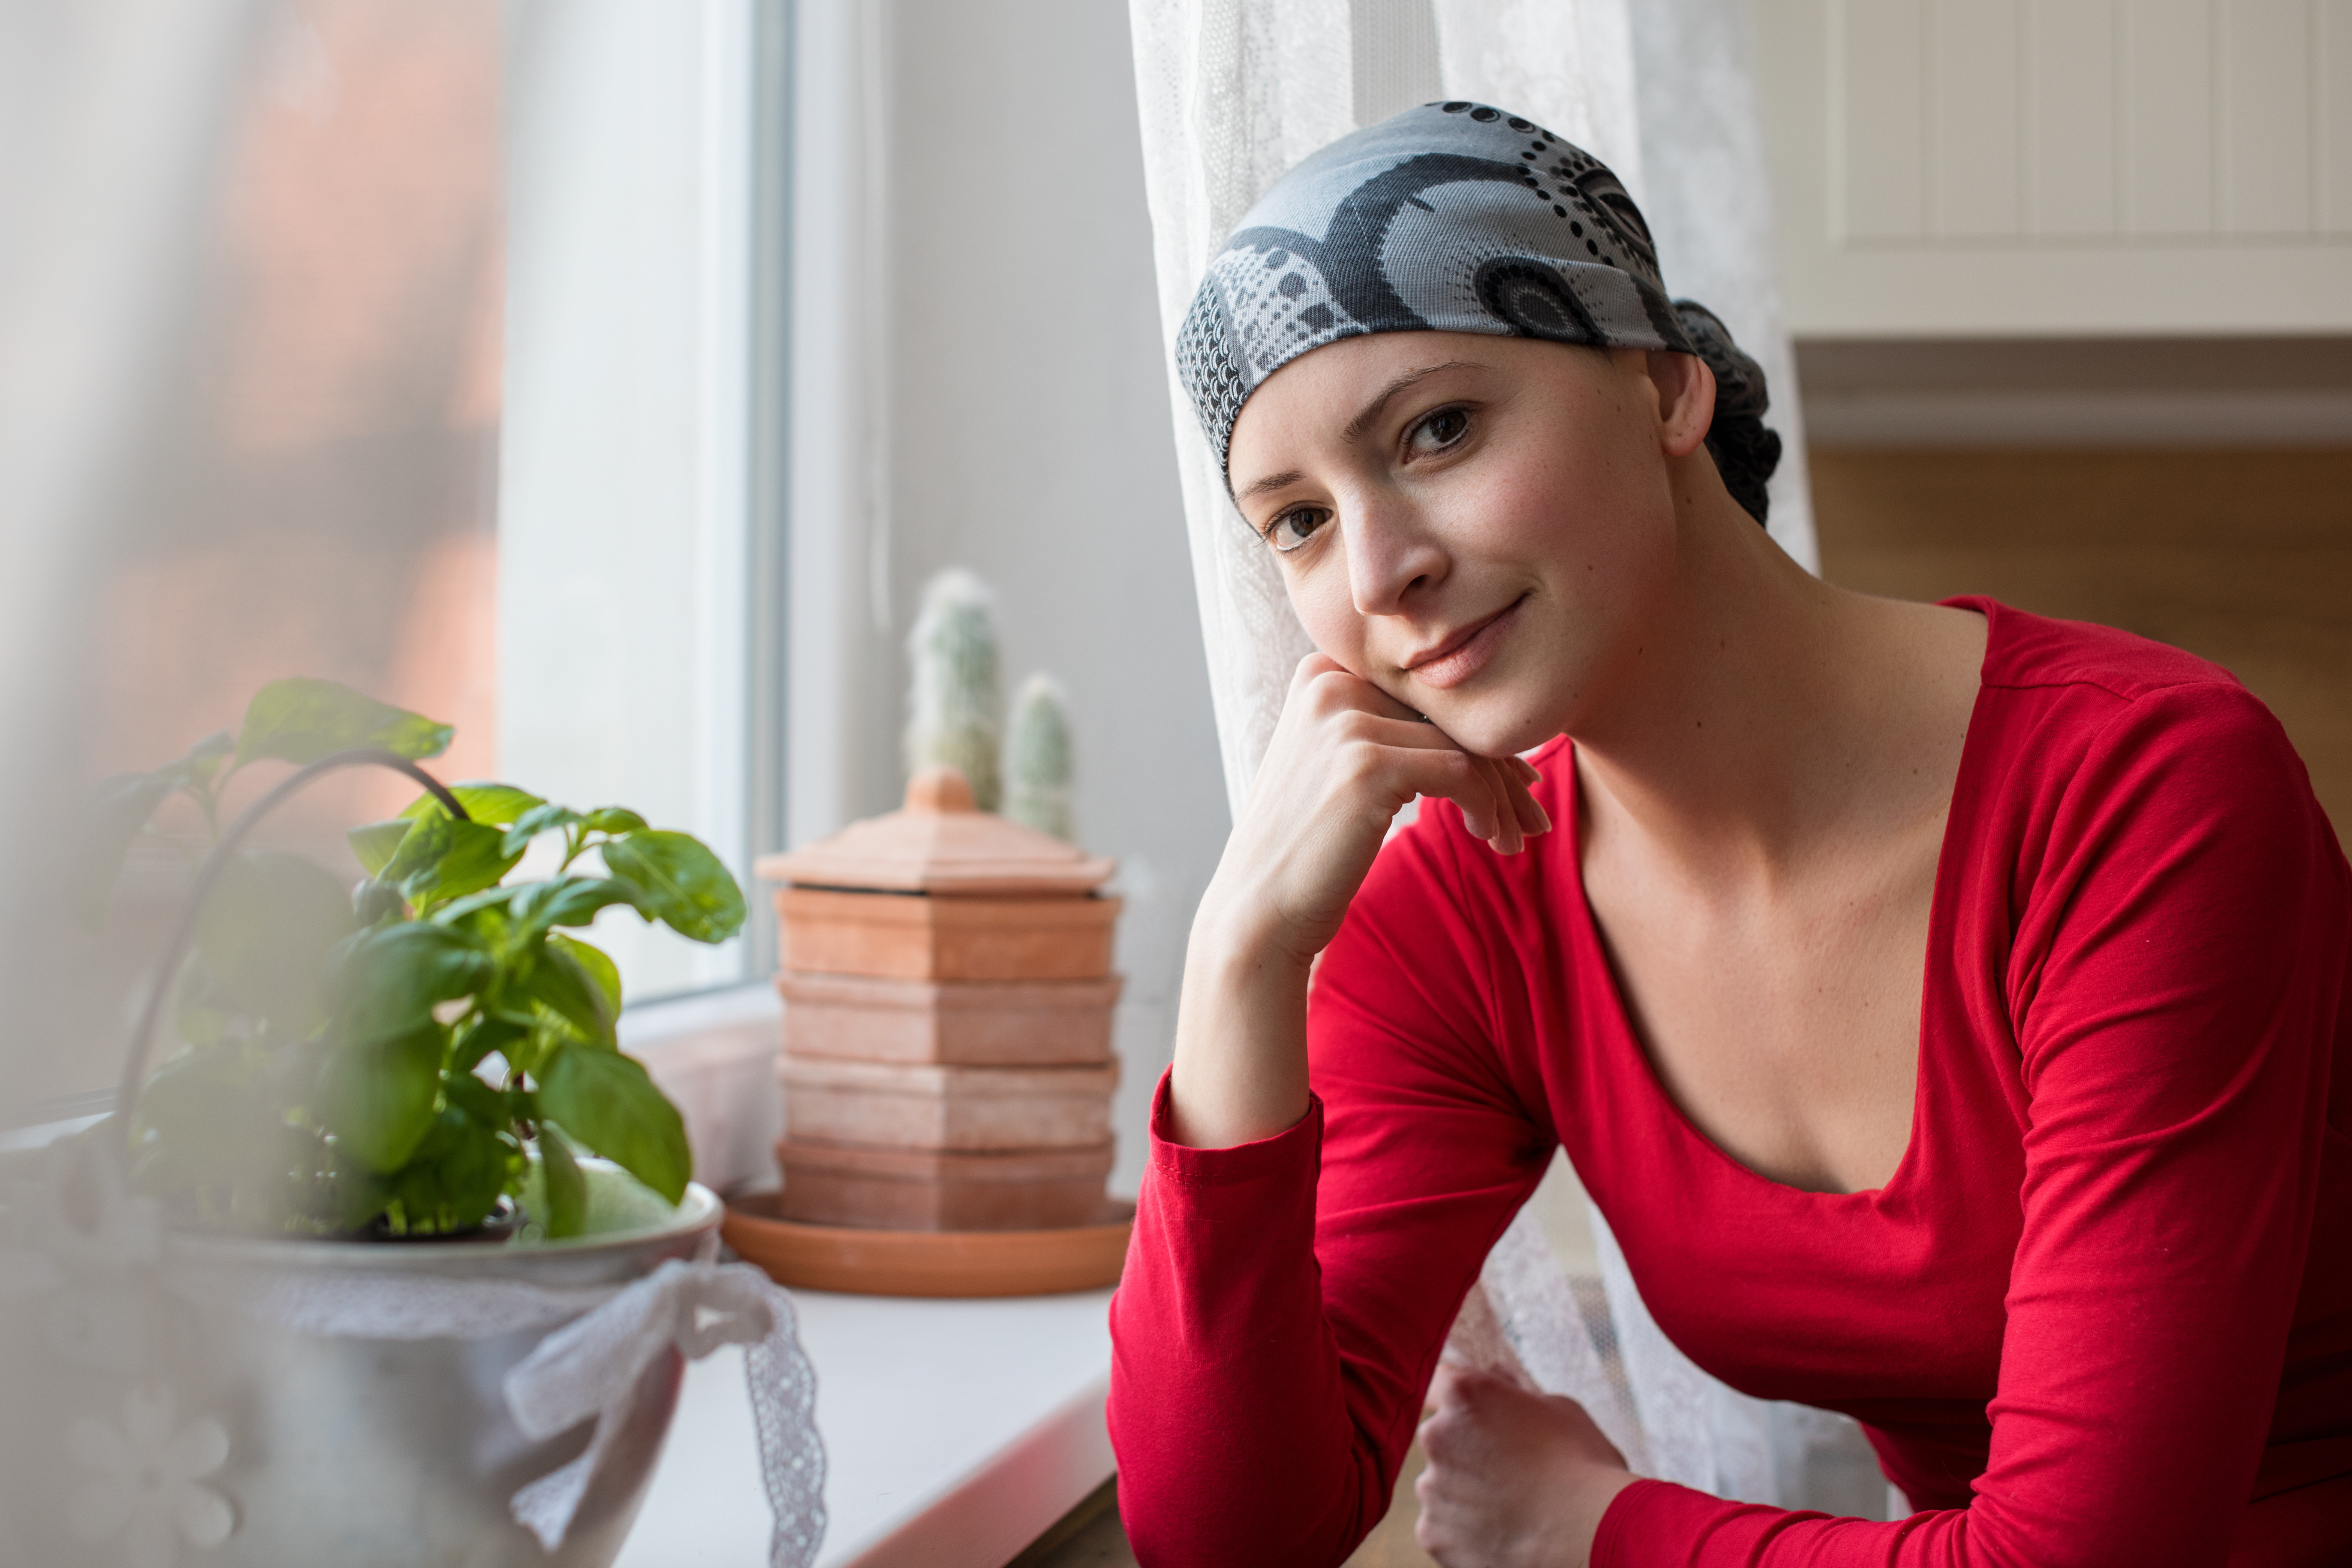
1345	758
1515	1479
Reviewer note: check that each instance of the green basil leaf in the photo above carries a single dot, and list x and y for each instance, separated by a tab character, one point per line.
475	1098
204	1108
567	1189
394	976
568	901
302	719
377	1096
375	842
491	805
453	1180
118	808
478	1039
206	756
373	902
540	1035
681	883
477	860
597	962
536	821
266	934
443	858
614	819
564	985
480	912
606	1101
420	848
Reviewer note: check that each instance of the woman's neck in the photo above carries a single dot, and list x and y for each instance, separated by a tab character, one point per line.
1766	713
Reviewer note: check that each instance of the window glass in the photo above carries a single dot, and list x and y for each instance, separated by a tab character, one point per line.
625	591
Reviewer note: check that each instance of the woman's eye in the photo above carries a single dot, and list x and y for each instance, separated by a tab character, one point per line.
1439	431
1293	528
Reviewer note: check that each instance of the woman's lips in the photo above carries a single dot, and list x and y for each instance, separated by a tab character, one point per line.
1466	653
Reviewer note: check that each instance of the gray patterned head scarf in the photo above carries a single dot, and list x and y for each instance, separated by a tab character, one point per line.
1451	217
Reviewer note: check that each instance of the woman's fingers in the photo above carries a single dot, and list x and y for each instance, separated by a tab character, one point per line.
1512	777
1507	837
1496	805
1492	792
1444	772
1533	818
1325	679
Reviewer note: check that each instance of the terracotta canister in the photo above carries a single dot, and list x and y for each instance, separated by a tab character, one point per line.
923	1189
979	1022
946	937
948	1001
925	1107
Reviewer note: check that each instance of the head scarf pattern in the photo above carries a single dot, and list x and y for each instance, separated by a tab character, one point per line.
1448	217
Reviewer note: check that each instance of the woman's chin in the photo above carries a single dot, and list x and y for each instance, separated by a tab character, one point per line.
1494	728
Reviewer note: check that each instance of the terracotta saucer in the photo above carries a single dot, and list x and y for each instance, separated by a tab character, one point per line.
928	1262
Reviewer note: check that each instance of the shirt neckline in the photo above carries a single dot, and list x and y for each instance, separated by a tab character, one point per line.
1939	917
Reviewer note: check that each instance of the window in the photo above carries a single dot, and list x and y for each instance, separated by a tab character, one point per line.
639	543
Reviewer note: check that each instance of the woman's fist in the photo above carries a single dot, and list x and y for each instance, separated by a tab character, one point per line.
1515	1479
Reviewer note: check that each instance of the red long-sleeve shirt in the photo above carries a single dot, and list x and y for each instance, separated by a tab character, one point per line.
2102	1312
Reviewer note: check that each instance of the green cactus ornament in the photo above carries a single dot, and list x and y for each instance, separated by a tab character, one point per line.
956	697
1037	758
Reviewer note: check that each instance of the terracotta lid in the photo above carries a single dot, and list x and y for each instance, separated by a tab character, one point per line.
942	844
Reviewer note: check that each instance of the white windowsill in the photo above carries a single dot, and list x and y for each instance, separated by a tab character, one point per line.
955	1433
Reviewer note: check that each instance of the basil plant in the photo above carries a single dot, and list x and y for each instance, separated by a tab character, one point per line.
385	1060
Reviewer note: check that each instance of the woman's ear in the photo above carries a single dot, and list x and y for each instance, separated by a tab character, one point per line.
1685	399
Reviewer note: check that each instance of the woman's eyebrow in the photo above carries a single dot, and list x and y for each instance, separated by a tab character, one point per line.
1271	482
1371	411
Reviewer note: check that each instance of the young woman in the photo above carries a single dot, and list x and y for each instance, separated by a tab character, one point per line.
1943	1004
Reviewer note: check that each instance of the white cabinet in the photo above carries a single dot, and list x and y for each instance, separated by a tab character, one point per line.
2020	167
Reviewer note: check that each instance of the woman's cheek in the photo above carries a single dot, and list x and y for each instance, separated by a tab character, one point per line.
1320	597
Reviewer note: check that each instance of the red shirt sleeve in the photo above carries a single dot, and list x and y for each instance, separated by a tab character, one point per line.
1272	1337
2176	977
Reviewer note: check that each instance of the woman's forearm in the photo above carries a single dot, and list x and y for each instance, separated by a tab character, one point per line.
1240	1070
1229	1404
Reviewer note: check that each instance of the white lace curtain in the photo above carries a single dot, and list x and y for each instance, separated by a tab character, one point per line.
1234	93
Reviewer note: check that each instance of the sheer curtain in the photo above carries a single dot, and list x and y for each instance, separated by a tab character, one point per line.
114	118
1231	94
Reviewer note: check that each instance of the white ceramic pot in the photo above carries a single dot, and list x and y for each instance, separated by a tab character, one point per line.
152	1417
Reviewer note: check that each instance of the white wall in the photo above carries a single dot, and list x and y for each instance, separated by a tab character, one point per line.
1011	417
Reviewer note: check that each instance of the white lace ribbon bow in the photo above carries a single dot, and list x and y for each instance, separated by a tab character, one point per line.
590	1366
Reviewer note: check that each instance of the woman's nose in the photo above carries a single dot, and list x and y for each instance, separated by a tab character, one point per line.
1390	553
